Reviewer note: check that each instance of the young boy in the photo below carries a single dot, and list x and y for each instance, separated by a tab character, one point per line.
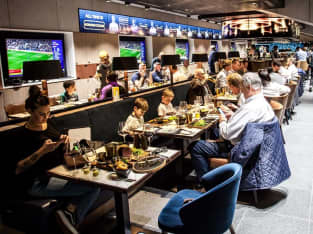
166	106
69	94
135	120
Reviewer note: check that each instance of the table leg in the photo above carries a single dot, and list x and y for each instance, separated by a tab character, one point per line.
122	212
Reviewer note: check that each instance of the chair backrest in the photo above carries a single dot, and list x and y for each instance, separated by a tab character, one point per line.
291	94
14	109
213	211
262	155
282	100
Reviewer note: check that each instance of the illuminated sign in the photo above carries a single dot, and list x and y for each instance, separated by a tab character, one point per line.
259	27
101	22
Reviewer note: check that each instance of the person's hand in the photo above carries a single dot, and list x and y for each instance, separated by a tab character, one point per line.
232	106
224	108
48	146
222	118
64	139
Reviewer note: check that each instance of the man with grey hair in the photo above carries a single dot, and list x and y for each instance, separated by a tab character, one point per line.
255	110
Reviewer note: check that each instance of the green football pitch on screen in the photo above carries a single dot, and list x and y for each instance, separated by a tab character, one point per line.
124	52
181	52
16	58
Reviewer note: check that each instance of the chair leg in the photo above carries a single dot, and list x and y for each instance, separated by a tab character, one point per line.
255	196
231	229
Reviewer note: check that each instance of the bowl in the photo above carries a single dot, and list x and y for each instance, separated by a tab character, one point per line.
122	173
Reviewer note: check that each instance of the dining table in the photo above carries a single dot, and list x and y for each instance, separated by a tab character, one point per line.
121	187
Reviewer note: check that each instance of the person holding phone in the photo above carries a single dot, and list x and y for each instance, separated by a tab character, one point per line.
254	110
41	147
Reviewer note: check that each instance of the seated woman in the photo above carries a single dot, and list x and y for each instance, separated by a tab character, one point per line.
41	147
270	88
196	89
106	91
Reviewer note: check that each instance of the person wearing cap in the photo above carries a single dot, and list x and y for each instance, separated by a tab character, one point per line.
103	68
156	74
255	110
221	76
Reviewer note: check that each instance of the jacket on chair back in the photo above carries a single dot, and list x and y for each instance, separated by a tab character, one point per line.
262	154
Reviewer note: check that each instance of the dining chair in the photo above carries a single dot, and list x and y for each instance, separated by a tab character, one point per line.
190	211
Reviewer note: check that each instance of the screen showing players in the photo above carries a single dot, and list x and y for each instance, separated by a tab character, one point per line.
21	50
133	47
182	48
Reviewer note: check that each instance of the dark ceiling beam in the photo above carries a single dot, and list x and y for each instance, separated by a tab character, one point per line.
229	14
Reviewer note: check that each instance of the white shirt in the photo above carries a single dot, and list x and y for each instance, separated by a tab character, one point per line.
274	89
293	71
284	73
221	79
277	78
164	109
179	76
133	123
255	110
186	71
241	100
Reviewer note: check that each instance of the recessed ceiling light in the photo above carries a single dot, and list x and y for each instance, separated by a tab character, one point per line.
147	8
108	1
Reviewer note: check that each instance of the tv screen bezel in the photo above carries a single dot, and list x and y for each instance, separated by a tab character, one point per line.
24	35
130	38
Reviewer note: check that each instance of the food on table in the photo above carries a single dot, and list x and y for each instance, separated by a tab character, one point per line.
200	123
203	112
86	170
120	165
95	172
171	118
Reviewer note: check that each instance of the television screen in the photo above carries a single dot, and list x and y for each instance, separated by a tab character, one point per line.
29	50
133	47
182	49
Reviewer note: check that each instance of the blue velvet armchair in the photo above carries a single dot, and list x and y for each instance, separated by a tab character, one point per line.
212	212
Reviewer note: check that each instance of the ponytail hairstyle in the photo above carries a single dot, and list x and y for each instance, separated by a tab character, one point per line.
35	99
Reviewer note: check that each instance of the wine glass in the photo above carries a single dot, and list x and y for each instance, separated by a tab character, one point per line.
183	106
120	130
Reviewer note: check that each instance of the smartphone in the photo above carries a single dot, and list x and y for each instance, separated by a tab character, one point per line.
221	112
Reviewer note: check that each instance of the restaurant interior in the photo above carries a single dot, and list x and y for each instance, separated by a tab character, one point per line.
148	117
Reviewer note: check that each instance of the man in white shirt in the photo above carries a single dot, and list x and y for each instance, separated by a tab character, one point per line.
275	76
255	110
221	76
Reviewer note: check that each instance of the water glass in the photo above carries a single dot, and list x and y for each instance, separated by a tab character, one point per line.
120	130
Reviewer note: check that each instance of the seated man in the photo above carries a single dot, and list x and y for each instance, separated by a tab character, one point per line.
275	76
255	109
156	74
140	77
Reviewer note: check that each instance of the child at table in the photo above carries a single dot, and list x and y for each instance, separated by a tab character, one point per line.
135	119
69	94
166	107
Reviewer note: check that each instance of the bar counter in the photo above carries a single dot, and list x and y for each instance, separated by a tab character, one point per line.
103	117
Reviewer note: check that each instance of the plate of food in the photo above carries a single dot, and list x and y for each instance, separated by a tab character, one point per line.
202	123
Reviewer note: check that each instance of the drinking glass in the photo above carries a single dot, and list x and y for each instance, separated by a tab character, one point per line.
207	99
199	100
121	132
182	106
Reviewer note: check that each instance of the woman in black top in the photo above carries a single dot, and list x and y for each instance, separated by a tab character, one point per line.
42	148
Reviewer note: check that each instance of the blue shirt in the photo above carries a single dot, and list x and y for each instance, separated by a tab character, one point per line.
157	76
301	55
137	76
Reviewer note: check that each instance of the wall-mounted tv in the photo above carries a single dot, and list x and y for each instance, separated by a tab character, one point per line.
133	47
259	27
19	47
182	48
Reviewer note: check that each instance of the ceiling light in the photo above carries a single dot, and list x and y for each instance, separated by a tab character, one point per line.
127	3
108	1
147	8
